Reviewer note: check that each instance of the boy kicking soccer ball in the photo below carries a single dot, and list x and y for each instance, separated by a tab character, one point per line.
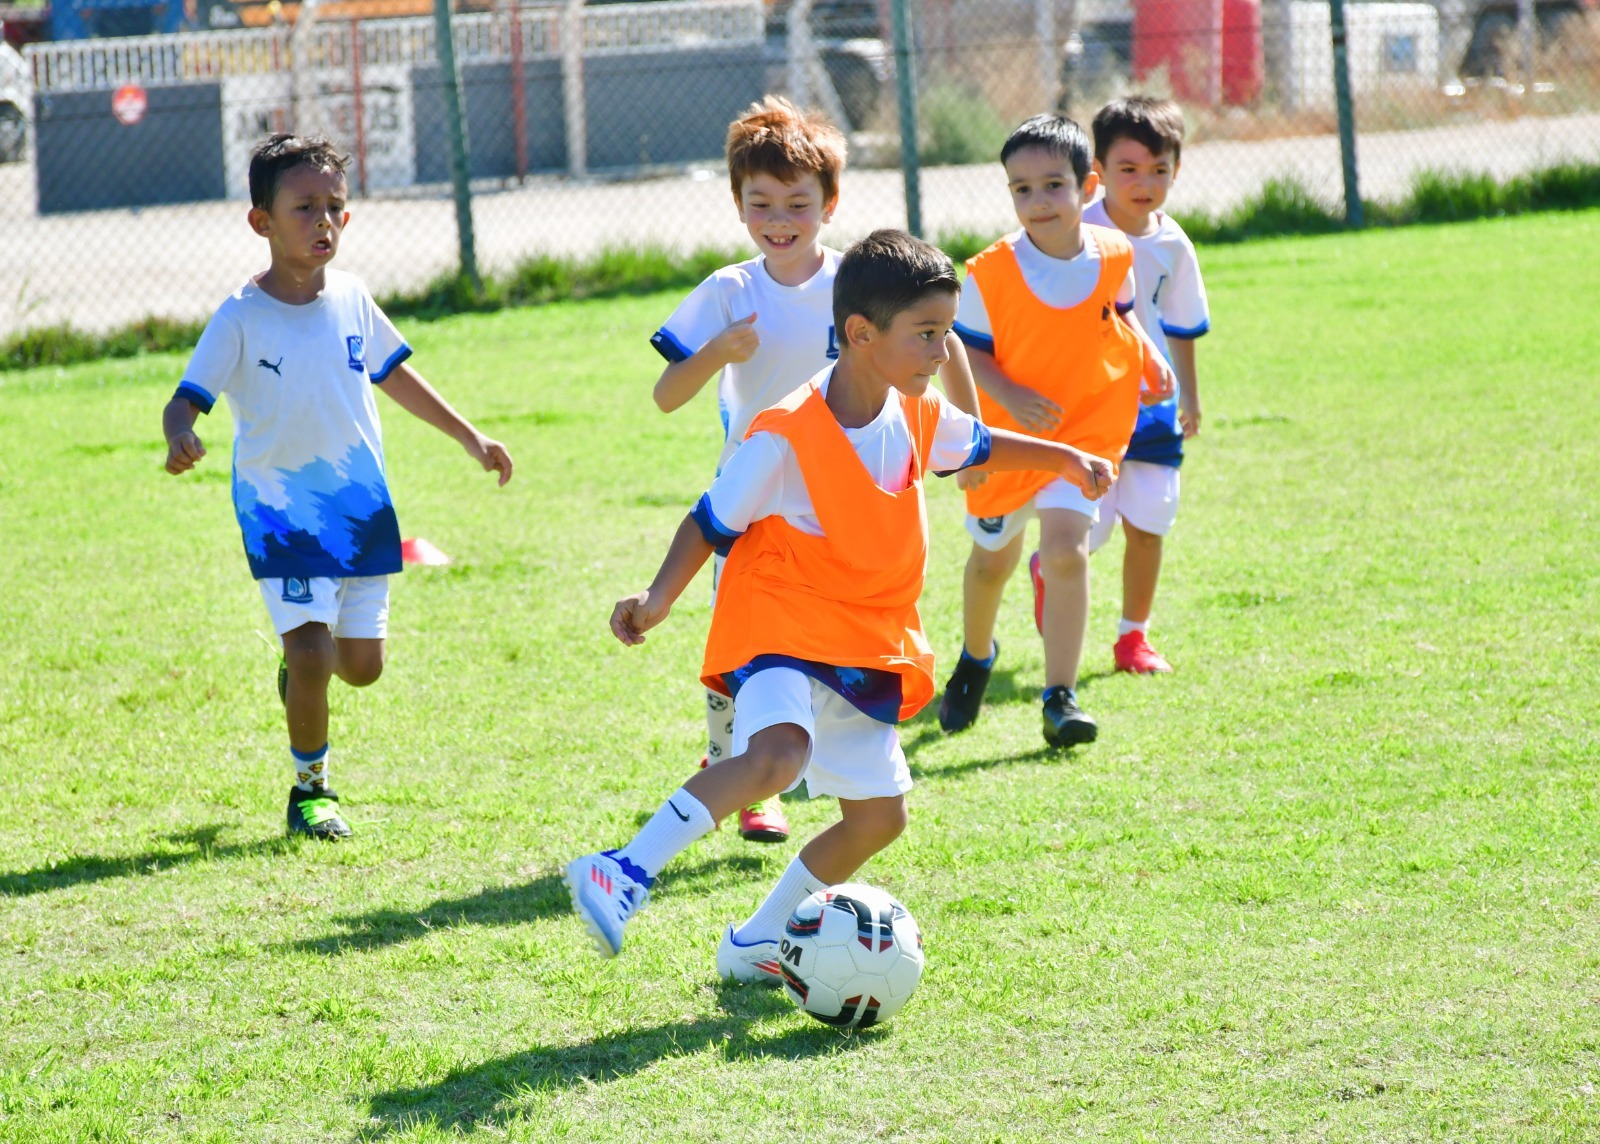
298	350
766	325
816	629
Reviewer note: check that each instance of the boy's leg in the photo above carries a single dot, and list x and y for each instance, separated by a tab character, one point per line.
773	735
310	657
996	549
1150	500
1064	566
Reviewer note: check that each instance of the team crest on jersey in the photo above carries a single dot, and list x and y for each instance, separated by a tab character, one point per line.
993	525
296	590
833	344
354	345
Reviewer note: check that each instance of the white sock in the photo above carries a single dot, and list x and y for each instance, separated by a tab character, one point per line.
1127	626
310	768
681	819
796	885
719	726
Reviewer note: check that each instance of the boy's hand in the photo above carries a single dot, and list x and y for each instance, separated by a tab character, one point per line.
183	453
636	614
1159	382
1189	417
970	479
1094	475
1028	407
492	456
738	342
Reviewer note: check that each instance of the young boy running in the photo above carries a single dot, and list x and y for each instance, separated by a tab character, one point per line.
766	324
298	350
816	627
1137	143
1056	353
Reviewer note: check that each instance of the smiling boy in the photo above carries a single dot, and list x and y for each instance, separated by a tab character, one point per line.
1056	353
816	627
299	350
766	324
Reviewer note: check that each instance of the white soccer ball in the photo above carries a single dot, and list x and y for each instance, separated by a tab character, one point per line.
851	955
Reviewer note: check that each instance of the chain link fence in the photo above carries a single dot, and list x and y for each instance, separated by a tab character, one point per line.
592	125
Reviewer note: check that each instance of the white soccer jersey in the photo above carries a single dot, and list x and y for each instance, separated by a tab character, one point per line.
1171	303
763	477
794	323
308	477
1059	282
1171	299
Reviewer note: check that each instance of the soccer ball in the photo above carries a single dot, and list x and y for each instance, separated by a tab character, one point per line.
850	956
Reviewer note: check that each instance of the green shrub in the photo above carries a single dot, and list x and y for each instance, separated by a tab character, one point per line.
958	126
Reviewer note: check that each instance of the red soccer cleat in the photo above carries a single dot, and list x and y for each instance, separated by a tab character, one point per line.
764	822
1133	653
1038	592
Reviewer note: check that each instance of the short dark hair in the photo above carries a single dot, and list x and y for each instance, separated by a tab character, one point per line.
888	272
1056	134
1157	123
279	154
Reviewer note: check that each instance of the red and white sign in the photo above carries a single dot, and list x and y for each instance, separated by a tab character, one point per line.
128	104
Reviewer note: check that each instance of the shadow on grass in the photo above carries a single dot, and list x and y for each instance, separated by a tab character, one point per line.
543	897
1040	754
197	845
489	1091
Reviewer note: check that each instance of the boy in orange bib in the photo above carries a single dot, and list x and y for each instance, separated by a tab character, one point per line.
816	631
1057	353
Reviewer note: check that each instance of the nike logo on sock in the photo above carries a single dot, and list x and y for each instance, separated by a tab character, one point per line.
682	817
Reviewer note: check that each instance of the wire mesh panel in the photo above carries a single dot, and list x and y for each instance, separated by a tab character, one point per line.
123	164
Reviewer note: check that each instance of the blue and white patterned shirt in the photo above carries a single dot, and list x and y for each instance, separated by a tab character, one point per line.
308	475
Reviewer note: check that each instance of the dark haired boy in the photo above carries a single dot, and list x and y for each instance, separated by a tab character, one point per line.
816	628
764	326
298	350
1137	145
1056	353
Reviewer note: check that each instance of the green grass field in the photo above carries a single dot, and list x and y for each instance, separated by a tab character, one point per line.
1334	880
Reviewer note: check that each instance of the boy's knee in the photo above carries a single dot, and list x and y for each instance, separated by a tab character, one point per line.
993	565
1064	561
881	820
360	666
1139	538
309	653
777	755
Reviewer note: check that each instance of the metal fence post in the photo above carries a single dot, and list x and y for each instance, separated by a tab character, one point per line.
572	88
445	46
1347	115
906	82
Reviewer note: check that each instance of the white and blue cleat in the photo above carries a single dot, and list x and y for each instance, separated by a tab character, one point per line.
752	963
605	897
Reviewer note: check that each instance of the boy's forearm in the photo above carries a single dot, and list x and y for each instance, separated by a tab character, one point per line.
986	373
956	374
1017	452
1183	365
681	380
410	391
178	417
687	555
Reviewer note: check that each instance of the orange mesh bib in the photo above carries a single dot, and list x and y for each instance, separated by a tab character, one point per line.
847	598
1084	358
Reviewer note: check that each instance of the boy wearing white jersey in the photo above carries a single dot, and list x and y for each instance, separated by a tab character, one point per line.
299	350
766	325
1137	142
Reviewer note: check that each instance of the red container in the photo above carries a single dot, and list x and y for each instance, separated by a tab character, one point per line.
1242	67
1185	38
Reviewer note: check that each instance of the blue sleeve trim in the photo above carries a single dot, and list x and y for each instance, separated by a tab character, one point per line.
982	443
670	347
1180	332
395	359
1124	307
974	339
195	396
716	534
